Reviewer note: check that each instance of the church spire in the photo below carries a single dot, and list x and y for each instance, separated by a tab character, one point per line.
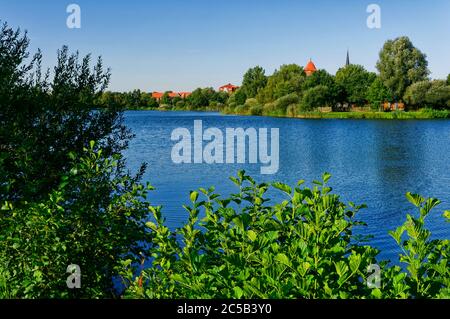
347	61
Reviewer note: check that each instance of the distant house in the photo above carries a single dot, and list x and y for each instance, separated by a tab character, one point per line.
184	95
158	95
173	94
310	68
229	88
397	106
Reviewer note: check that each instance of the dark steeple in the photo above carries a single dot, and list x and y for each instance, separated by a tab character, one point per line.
347	61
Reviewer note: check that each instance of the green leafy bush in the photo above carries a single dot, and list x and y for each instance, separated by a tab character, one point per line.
94	219
280	106
315	97
302	247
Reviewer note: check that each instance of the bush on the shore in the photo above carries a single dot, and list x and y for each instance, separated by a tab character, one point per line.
302	247
94	218
314	98
433	94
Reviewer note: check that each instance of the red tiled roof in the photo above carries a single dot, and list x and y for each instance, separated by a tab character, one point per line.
159	95
310	67
229	86
184	94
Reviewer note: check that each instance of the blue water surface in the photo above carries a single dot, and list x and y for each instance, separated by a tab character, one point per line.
371	161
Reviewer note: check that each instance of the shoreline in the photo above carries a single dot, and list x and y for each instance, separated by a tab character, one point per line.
361	115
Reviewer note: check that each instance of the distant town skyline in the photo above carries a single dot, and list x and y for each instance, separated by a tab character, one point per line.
181	45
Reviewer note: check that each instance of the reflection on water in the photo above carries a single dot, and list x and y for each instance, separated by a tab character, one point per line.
373	162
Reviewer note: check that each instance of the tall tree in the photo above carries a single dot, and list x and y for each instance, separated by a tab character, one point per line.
66	198
197	99
254	80
355	80
43	119
288	79
401	64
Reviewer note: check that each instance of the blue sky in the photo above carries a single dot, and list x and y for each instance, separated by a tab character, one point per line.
181	45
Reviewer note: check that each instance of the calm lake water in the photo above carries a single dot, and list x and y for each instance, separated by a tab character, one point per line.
371	161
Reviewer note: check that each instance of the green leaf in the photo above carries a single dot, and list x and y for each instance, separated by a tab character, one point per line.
376	293
341	268
151	225
429	205
397	234
238	292
447	215
415	199
251	235
282	187
326	177
235	180
194	196
354	262
283	259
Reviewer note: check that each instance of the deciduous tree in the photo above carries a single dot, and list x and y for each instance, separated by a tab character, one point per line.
401	64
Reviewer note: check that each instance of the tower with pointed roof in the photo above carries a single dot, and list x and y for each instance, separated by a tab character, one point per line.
347	61
310	68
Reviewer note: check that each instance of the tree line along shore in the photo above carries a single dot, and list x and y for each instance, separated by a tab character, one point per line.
401	89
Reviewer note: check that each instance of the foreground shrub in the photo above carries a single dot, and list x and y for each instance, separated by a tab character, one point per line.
94	218
303	247
43	117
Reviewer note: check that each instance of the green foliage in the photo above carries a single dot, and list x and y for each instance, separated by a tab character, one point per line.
315	97
415	94
203	98
254	80
288	79
239	97
44	119
58	210
94	218
377	94
427	261
134	100
434	94
166	99
400	65
438	96
355	80
320	77
280	106
301	247
254	107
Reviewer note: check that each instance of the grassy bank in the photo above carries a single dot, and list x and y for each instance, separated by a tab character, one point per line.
410	115
420	114
429	114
